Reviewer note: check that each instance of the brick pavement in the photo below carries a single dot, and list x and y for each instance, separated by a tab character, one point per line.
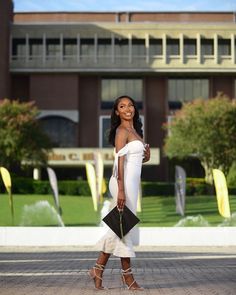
165	270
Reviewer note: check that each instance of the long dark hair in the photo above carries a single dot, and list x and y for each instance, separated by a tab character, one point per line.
115	120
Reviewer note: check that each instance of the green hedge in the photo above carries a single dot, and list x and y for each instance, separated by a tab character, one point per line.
198	186
194	186
71	187
158	188
65	187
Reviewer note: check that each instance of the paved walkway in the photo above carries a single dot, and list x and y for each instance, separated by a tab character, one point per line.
172	270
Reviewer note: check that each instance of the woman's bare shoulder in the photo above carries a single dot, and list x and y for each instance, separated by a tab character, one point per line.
121	137
122	131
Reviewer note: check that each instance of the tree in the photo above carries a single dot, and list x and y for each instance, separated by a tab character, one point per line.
21	138
205	129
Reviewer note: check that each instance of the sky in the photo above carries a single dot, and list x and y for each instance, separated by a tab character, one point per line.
124	5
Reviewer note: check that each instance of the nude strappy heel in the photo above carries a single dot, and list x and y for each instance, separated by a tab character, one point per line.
93	275
128	272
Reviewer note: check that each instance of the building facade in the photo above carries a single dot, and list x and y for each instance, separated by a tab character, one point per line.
73	65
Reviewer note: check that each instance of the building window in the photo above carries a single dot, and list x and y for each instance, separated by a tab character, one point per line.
172	46
104	128
18	48
207	47
155	47
69	47
190	47
121	47
61	131
53	48
35	48
138	47
113	88
224	46
104	47
183	90
86	48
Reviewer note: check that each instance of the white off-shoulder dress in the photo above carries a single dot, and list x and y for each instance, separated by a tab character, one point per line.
110	243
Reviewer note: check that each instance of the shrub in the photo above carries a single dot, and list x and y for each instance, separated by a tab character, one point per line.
41	187
198	186
231	177
21	185
194	186
74	187
158	188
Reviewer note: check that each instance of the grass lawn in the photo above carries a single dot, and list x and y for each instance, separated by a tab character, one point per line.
78	211
160	211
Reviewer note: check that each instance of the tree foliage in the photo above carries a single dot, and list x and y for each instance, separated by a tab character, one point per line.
21	138
205	129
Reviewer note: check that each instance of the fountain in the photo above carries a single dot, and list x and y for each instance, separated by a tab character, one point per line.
40	214
231	221
197	220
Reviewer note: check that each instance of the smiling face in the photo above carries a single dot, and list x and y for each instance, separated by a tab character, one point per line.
125	109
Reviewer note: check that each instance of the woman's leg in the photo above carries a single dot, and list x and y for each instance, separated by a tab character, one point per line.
127	275
96	272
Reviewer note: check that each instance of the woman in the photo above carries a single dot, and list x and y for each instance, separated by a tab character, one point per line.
127	137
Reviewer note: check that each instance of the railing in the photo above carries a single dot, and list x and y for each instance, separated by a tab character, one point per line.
87	62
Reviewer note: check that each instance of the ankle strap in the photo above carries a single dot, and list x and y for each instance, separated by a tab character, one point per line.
127	271
99	266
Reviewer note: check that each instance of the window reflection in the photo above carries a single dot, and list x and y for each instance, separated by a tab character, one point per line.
182	90
112	88
61	131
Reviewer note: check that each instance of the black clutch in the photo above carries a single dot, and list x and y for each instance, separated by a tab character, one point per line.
121	222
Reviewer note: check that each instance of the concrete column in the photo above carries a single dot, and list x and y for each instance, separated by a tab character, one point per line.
44	49
199	58
27	48
78	48
95	48
61	48
147	48
164	48
156	112
112	48
233	48
216	59
130	48
181	48
89	95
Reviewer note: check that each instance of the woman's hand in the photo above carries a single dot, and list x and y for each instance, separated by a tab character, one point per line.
146	156
121	200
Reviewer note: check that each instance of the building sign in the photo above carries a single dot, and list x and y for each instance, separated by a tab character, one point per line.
79	156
